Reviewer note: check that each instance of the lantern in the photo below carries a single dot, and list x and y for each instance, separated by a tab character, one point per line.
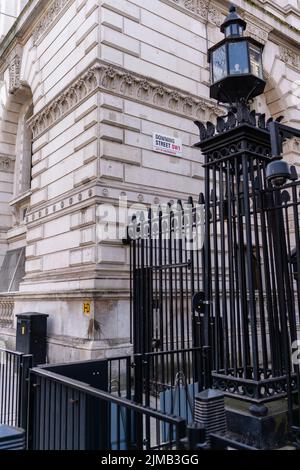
236	63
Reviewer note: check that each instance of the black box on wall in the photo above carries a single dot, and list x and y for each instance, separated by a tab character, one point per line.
32	336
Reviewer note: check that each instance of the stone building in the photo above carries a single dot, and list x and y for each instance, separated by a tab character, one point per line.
84	86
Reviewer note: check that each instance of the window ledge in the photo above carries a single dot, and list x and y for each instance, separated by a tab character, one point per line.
20	198
17	231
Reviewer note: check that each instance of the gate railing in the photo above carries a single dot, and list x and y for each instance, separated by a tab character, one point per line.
166	265
14	376
166	381
66	414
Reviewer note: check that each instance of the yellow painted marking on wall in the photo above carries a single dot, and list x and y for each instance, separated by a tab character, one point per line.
87	308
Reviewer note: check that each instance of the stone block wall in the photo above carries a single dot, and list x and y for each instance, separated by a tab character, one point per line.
103	77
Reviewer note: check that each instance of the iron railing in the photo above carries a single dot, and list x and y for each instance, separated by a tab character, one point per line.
254	359
70	415
248	286
14	375
166	265
171	379
284	213
166	381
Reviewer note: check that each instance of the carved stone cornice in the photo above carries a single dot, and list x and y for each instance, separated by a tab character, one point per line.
292	146
6	164
256	28
106	77
14	73
204	9
289	57
48	18
210	12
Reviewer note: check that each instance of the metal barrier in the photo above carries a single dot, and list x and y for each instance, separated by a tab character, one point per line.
165	381
69	415
162	383
171	379
14	374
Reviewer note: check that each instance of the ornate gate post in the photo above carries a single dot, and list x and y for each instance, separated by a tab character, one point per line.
242	276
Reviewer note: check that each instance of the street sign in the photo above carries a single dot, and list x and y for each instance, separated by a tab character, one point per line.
167	145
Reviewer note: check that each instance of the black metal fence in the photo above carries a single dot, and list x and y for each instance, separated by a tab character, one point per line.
71	415
14	375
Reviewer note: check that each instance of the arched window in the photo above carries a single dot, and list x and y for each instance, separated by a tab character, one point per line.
13	267
23	153
23	164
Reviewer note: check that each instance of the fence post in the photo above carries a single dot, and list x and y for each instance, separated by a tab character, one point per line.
196	437
25	366
181	433
32	418
138	378
207	377
138	397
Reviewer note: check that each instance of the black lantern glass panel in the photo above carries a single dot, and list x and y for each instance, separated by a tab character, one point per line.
238	58
256	60
233	30
219	63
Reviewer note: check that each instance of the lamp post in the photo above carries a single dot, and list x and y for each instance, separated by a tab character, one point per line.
248	288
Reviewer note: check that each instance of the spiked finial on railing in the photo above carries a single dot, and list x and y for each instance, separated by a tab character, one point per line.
201	199
190	201
235	117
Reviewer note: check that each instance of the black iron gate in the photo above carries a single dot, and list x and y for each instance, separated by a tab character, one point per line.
167	264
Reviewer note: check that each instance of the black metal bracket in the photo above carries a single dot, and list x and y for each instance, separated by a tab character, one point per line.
279	134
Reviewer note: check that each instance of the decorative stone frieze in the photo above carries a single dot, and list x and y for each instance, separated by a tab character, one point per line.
45	23
292	146
202	8
121	82
6	311
257	29
289	56
14	73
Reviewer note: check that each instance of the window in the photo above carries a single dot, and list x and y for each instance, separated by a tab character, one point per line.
12	270
23	165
